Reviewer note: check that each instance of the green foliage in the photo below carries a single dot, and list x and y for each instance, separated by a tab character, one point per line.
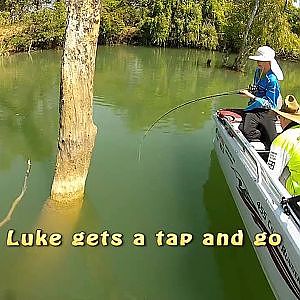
46	27
43	28
111	28
173	23
206	24
236	24
156	26
209	37
186	23
120	21
112	23
273	25
4	18
294	19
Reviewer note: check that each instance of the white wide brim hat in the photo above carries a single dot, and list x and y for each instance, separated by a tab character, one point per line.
266	53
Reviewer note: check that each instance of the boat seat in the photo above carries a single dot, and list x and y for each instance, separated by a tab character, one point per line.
278	127
258	146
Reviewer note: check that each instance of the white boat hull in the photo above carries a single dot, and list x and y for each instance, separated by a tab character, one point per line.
258	201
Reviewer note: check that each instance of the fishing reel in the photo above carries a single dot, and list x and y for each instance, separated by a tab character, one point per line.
253	89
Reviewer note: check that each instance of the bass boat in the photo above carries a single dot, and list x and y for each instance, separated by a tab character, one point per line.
266	208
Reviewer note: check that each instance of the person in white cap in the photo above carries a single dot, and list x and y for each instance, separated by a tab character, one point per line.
284	157
264	95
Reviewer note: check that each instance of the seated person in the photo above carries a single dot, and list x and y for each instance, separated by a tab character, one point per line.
264	96
284	157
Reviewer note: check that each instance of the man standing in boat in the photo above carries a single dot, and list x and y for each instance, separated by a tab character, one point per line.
264	95
284	157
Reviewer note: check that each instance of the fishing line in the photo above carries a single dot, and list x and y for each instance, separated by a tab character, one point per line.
177	107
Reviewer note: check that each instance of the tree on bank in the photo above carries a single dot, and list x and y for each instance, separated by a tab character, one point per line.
206	24
240	60
77	131
262	22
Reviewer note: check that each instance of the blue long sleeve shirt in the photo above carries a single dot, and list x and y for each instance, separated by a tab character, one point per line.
268	91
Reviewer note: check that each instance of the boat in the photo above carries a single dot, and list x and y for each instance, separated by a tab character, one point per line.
268	211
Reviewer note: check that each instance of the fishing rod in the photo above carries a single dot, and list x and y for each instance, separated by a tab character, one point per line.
235	92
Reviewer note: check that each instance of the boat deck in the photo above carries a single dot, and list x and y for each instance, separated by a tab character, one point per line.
234	117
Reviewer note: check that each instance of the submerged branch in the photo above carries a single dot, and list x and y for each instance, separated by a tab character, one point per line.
19	198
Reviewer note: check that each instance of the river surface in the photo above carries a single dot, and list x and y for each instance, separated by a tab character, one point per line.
177	186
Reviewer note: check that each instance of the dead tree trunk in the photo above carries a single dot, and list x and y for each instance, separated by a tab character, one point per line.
77	131
241	58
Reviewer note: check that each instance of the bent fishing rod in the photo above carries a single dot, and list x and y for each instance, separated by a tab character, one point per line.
235	92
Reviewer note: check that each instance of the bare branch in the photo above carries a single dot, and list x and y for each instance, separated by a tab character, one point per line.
19	198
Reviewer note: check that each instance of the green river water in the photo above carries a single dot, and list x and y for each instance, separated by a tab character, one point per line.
177	187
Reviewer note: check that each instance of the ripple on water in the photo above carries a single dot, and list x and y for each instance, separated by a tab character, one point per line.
101	101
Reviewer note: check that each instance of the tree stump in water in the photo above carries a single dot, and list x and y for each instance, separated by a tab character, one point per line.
77	131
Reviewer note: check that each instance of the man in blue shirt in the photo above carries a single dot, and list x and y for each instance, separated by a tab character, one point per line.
264	96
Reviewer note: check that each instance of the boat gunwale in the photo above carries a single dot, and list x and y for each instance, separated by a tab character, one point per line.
276	186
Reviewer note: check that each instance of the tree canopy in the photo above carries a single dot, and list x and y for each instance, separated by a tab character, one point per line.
206	24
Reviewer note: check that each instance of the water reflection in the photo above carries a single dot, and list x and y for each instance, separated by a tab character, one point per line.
39	265
245	272
28	114
143	83
137	83
59	216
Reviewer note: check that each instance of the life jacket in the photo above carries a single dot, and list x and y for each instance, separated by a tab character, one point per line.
287	147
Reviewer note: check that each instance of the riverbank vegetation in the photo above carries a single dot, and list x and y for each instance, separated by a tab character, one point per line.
205	24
